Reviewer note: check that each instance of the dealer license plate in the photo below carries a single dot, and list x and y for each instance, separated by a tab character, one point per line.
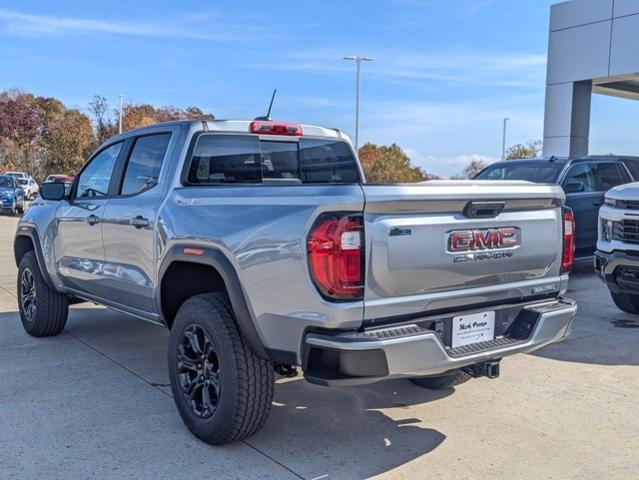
473	328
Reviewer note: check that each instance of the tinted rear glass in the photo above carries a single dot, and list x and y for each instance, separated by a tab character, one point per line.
246	159
532	172
327	161
225	159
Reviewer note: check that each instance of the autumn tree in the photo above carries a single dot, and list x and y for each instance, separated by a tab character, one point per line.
389	164
19	129
530	150
40	135
142	115
69	142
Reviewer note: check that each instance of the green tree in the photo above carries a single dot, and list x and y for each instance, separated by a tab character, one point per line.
530	150
389	164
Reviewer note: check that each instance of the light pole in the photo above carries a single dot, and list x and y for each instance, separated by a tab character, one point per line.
503	140
120	119
358	60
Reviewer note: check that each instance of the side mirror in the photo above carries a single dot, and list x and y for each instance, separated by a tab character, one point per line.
574	186
53	191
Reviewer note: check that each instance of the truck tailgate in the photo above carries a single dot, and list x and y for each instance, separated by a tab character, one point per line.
445	244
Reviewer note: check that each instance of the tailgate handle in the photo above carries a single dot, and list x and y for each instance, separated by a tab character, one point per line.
483	209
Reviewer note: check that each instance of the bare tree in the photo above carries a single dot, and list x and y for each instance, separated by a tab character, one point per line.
104	125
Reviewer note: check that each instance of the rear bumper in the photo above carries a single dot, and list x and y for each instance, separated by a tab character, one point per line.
619	270
412	351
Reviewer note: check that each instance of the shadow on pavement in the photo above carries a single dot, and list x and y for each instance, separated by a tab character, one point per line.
313	430
601	334
341	432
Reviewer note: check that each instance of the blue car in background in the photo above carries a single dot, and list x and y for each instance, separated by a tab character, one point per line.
11	195
584	180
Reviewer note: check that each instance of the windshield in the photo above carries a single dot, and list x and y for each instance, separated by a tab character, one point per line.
5	182
533	172
22	181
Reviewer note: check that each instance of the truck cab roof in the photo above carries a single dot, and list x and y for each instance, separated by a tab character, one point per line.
240	126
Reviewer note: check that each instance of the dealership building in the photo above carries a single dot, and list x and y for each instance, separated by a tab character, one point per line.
593	49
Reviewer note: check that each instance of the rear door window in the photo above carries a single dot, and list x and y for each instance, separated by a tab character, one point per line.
219	159
145	162
608	175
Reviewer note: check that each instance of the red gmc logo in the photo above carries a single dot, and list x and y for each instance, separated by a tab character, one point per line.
484	239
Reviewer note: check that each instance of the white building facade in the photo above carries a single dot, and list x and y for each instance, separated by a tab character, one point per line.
593	48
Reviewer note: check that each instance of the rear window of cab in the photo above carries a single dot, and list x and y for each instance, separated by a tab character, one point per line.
237	159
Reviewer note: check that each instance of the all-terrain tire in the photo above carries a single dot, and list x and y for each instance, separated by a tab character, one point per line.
20	209
442	382
626	302
246	381
51	308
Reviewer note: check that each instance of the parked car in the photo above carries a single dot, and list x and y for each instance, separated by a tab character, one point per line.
17	174
585	181
617	256
262	249
29	186
11	195
58	178
66	179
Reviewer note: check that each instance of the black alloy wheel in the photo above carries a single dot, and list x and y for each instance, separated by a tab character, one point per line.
28	294
199	371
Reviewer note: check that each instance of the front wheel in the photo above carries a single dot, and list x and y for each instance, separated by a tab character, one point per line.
222	390
43	310
626	301
441	382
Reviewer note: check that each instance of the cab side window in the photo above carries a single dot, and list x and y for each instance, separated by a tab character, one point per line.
579	179
145	162
96	176
609	175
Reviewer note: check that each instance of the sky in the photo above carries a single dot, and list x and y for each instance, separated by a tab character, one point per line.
446	72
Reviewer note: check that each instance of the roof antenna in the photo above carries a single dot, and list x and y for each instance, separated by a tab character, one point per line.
267	117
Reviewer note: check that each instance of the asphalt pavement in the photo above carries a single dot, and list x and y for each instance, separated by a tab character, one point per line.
94	402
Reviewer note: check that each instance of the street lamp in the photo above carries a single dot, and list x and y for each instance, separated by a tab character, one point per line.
503	140
358	60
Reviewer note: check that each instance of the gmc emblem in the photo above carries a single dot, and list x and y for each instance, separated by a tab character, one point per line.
483	239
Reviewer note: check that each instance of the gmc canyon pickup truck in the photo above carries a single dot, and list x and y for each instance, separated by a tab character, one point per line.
262	249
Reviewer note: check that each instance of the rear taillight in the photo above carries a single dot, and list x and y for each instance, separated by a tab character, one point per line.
276	128
569	241
336	256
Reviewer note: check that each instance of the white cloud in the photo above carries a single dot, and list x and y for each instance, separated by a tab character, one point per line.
443	137
19	23
451	67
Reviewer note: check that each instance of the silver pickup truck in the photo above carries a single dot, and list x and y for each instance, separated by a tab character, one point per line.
262	249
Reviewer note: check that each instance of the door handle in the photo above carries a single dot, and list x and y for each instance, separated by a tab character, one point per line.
92	219
140	221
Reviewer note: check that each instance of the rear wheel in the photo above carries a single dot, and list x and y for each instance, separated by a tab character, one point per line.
43	310
626	302
441	382
222	390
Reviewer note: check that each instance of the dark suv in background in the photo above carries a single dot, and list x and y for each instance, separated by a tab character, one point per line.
584	180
